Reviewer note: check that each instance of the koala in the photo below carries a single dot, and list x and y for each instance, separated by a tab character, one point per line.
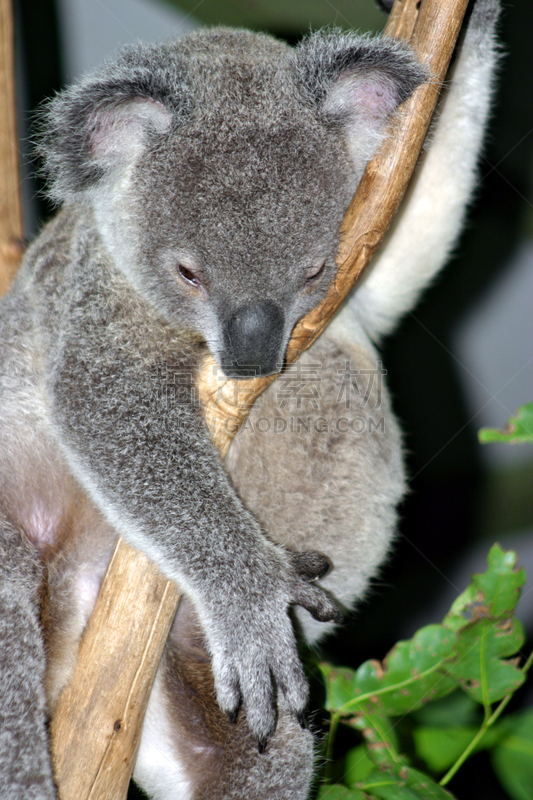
202	186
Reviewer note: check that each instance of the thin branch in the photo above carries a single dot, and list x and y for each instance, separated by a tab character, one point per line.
11	247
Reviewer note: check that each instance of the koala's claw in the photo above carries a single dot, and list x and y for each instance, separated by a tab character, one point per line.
232	716
303	720
261	745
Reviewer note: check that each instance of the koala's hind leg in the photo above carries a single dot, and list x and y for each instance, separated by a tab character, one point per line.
189	750
25	764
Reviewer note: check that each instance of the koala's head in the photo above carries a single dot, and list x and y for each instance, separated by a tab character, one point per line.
219	168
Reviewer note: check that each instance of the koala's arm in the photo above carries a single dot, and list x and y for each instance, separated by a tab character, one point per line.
151	468
24	763
427	227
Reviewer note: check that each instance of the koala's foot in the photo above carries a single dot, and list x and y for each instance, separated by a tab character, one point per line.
190	749
251	639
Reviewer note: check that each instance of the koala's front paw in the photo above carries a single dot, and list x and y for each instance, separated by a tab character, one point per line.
253	645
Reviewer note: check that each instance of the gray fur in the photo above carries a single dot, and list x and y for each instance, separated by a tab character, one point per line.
25	767
203	184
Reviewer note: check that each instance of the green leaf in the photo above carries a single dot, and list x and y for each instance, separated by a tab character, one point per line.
337	792
480	668
441	747
485	632
501	583
519	428
498	589
454	710
408	677
339	685
403	783
512	758
468	649
387	788
380	736
357	765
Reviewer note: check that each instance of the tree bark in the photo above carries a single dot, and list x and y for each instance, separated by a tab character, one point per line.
98	720
11	245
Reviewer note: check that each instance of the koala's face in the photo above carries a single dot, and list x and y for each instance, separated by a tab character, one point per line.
219	169
241	232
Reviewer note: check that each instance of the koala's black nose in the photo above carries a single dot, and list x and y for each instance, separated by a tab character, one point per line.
253	341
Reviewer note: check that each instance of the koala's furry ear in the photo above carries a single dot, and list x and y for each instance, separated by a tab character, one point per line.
105	122
357	82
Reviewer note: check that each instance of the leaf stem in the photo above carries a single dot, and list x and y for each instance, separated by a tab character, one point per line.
487	723
333	725
487	707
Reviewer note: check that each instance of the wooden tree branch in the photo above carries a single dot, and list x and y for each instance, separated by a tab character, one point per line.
103	708
11	247
124	640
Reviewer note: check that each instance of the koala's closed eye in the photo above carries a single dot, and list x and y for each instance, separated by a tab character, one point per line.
189	277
